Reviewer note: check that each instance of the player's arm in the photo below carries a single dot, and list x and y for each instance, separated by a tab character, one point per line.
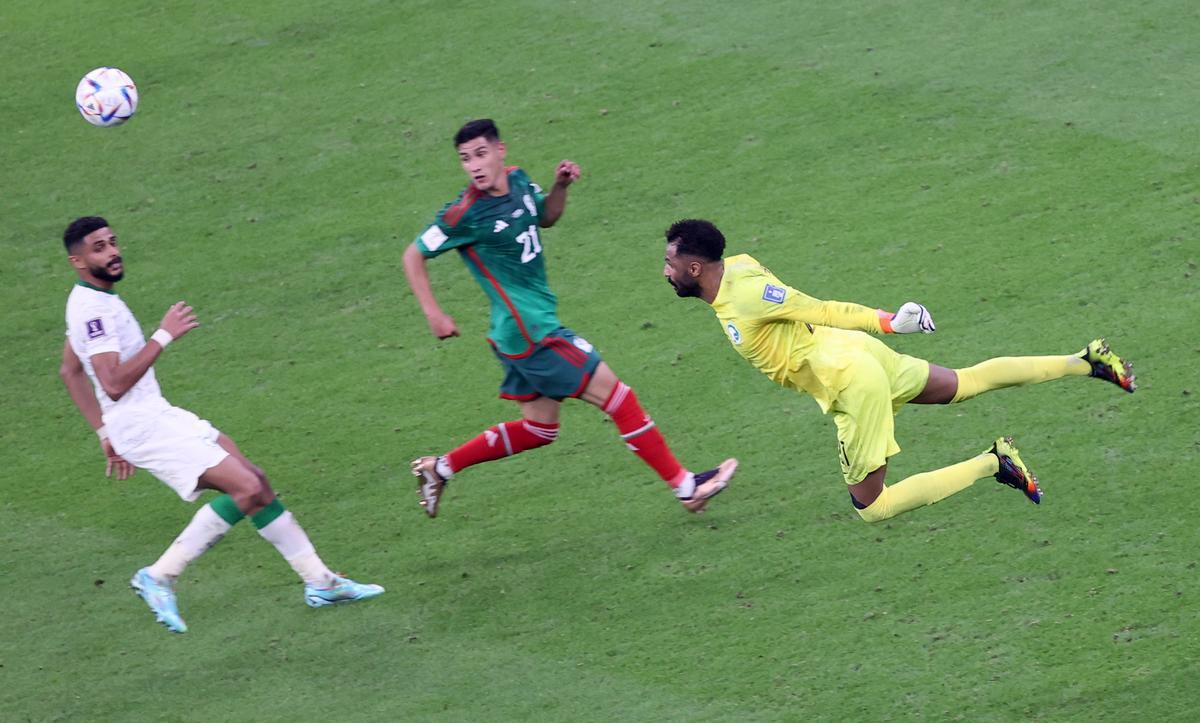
440	323
797	306
565	174
781	302
912	317
80	390
78	386
117	377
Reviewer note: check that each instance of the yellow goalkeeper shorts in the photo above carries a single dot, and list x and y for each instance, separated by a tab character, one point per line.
881	381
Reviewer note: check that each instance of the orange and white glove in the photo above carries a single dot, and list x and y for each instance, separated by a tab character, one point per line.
911	318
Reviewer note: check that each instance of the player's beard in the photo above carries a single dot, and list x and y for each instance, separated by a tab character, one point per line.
684	289
102	272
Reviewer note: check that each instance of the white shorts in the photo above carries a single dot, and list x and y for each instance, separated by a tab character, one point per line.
174	445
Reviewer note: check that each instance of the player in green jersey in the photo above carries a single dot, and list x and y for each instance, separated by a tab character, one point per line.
495	226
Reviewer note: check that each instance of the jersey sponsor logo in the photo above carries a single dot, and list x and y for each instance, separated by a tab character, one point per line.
95	328
529	204
734	335
500	226
583	344
774	294
434	237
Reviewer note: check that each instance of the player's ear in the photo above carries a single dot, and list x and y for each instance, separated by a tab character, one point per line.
501	149
76	261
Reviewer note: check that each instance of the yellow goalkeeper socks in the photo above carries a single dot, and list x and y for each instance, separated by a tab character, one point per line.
1011	371
929	487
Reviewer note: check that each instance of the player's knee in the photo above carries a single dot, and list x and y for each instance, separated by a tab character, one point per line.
877	511
250	491
966	385
254	500
263	495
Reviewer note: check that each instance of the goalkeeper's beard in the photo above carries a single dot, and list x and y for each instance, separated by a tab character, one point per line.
684	289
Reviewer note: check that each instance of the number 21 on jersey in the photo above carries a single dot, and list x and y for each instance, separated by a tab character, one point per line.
532	245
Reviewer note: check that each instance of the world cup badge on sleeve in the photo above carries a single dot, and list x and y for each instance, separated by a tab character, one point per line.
774	294
95	329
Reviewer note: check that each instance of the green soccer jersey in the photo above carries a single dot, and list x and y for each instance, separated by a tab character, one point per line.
498	239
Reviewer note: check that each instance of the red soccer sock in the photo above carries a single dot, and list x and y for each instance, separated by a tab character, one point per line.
642	436
502	440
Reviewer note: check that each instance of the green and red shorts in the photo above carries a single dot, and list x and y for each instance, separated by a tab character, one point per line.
560	366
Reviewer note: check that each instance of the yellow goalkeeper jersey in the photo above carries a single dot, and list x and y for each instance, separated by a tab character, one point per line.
796	340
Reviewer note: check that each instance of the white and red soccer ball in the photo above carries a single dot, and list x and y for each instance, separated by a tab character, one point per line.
106	97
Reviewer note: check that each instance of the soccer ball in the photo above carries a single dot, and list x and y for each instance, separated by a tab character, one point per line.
106	97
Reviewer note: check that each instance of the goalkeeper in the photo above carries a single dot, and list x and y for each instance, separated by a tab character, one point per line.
819	347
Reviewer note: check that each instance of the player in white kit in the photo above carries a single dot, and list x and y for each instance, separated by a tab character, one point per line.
139	428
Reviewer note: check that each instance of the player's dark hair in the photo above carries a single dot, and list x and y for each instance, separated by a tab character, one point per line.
695	237
485	127
81	227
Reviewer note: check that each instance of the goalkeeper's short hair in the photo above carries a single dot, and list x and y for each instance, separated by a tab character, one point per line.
696	237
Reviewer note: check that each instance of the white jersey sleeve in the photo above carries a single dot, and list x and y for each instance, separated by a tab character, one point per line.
93	330
99	322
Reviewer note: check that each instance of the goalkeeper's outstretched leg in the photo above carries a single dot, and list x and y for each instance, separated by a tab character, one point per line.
946	386
874	501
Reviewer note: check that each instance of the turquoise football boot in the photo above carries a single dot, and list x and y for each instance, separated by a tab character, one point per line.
344	590
160	597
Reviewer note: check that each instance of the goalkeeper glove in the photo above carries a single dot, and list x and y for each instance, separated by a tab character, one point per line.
911	318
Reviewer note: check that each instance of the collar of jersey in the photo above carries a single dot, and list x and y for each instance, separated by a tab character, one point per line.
86	285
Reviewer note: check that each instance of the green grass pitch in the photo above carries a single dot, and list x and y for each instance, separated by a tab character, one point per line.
1026	169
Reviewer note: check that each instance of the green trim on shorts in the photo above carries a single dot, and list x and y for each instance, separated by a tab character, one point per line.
268	514
227	509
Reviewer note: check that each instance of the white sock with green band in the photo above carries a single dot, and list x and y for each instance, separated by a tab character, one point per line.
279	527
206	529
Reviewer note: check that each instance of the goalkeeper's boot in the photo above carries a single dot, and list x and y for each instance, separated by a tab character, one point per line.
1013	471
1108	366
160	597
430	484
343	590
703	486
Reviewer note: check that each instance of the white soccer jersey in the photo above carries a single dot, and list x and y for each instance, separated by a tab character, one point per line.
98	321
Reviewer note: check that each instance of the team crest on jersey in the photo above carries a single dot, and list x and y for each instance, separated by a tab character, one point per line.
500	226
774	294
734	335
95	328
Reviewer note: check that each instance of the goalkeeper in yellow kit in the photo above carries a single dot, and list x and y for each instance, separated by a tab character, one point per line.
819	347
